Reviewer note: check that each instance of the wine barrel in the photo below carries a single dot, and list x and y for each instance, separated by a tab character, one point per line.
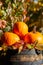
27	57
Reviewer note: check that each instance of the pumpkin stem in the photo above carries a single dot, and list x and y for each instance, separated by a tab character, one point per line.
34	29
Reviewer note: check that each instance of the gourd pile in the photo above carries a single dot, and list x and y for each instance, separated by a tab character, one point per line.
20	38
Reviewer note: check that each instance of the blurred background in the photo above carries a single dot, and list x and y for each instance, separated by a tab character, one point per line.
29	11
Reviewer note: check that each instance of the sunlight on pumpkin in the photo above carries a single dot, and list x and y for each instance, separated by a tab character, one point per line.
39	38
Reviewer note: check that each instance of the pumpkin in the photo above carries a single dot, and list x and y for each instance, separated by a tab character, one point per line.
39	38
29	37
32	37
20	28
10	38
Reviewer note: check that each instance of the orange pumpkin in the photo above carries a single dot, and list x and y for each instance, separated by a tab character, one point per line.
29	37
32	37
10	38
20	28
37	36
